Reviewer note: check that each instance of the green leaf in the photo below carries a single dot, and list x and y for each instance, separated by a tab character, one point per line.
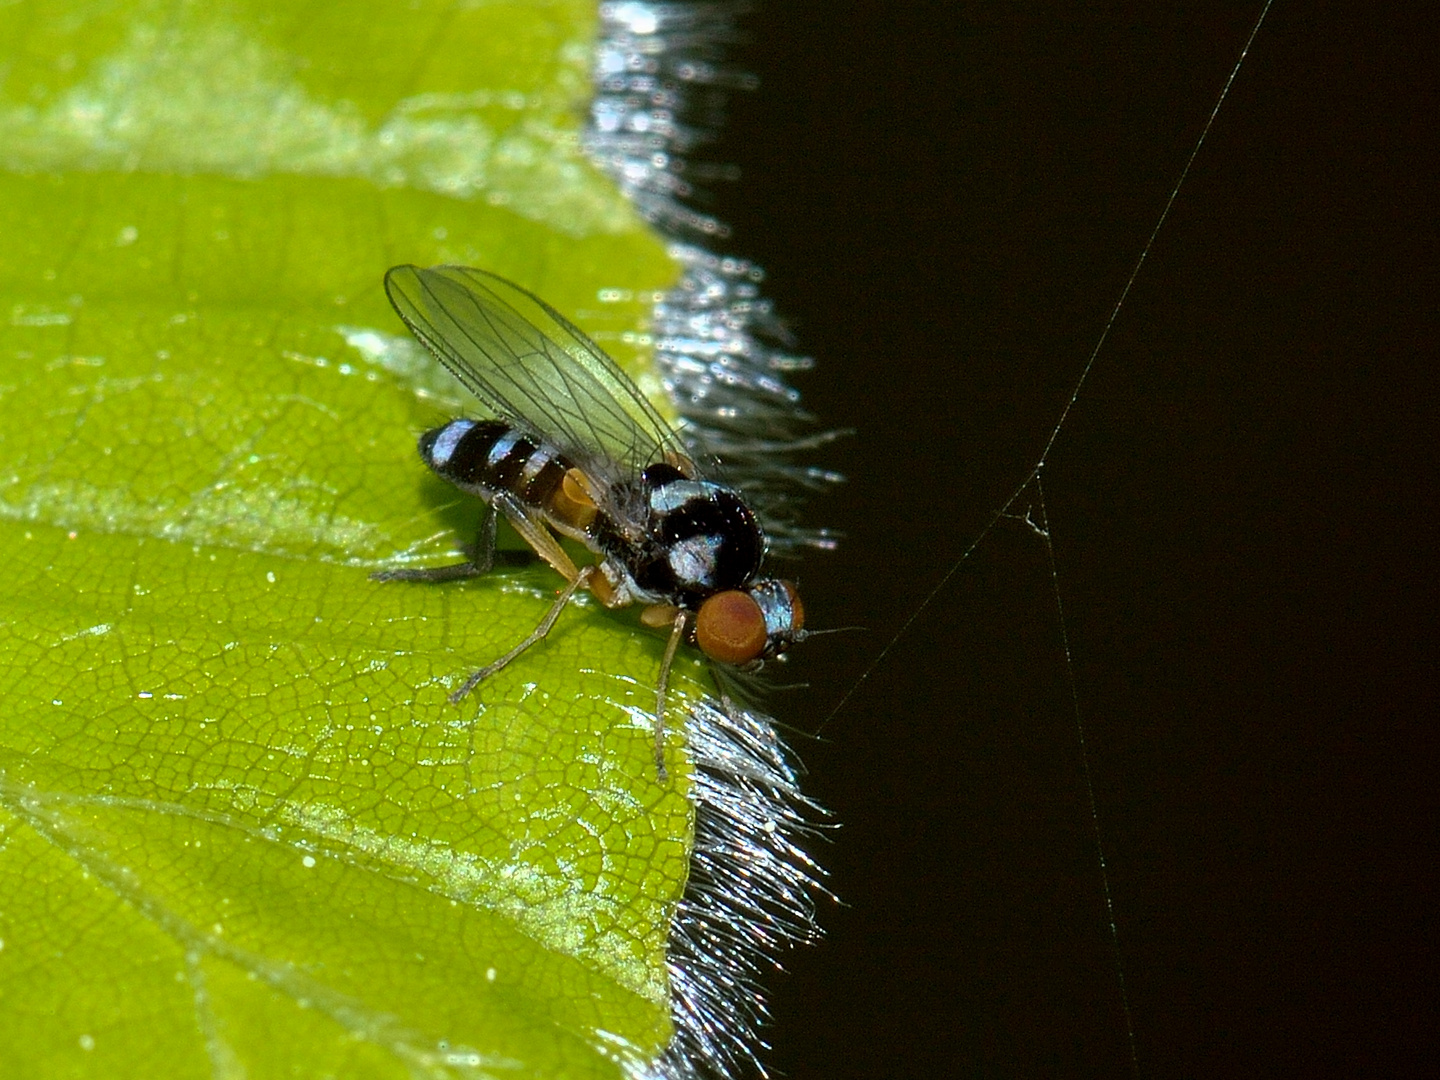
244	833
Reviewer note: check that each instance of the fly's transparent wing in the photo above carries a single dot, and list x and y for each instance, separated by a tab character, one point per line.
526	361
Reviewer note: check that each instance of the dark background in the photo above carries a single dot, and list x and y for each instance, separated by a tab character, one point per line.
948	198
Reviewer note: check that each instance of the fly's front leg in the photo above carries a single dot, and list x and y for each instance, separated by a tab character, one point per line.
677	632
483	560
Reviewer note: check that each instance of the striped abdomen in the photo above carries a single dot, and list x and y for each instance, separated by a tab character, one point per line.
488	457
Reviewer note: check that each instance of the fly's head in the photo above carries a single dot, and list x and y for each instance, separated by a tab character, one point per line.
745	627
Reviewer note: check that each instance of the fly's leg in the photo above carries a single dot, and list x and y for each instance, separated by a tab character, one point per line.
533	531
485	540
431	574
482	562
677	632
581	579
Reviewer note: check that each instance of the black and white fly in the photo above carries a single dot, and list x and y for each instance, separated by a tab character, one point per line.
574	450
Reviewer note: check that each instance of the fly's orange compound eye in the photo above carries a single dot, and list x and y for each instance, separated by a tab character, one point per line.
730	627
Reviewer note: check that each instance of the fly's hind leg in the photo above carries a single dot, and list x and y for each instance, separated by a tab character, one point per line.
582	578
533	532
483	560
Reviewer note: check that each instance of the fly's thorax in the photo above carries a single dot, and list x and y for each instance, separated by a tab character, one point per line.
758	622
702	538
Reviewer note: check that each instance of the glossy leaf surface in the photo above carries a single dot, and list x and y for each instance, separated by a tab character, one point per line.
244	833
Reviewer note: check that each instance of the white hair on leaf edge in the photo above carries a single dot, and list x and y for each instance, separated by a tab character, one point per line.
751	889
718	341
750	894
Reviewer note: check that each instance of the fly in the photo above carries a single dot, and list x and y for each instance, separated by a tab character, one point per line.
574	450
